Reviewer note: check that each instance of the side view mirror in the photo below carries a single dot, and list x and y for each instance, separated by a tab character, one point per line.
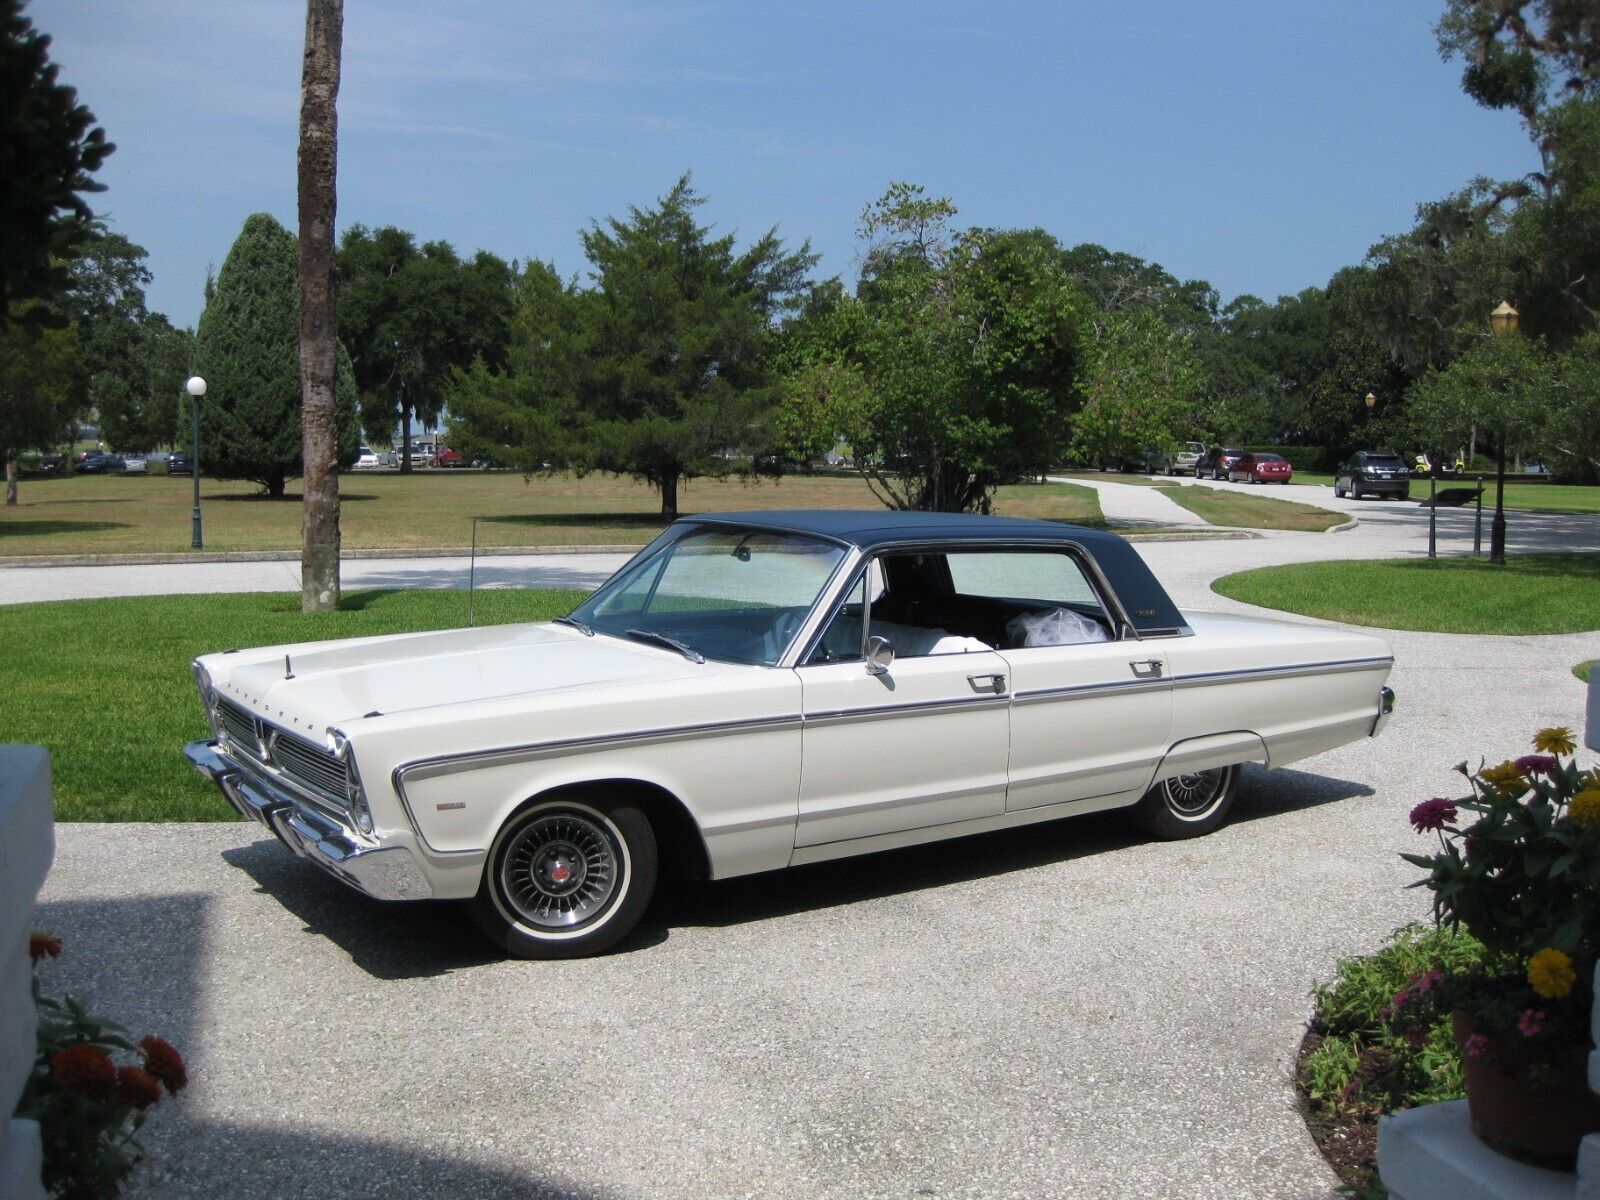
880	653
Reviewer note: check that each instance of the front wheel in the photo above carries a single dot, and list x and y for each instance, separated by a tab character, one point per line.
567	878
1187	806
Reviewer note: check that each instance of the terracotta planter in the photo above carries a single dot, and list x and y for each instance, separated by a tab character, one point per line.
1526	1103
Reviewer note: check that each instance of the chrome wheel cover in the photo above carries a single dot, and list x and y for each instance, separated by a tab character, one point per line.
561	869
1193	797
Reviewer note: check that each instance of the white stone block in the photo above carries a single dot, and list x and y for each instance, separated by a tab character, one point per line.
1429	1153
1589	1168
18	1023
20	1161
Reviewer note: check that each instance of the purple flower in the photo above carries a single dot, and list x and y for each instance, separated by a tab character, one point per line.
1540	764
1531	1022
1433	814
1475	1045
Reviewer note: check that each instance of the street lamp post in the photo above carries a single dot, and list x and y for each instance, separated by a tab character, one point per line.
1503	320
1372	403
196	387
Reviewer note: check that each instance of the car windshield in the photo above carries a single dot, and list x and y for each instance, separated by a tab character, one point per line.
737	595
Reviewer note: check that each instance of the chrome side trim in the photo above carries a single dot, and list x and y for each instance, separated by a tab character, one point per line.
1082	691
890	712
1338	667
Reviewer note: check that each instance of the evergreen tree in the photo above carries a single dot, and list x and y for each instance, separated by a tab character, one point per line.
41	385
247	349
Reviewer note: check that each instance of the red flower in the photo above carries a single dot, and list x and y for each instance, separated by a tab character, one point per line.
164	1062
1541	764
1475	1045
84	1070
1433	814
137	1086
42	945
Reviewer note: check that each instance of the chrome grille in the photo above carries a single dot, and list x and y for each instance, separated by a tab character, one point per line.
309	764
242	728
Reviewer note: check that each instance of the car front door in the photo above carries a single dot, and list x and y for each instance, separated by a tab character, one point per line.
919	744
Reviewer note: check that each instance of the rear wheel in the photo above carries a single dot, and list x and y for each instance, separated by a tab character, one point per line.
567	878
1187	806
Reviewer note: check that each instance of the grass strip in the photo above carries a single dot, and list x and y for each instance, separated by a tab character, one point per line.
1248	511
1582	669
97	514
105	684
1531	594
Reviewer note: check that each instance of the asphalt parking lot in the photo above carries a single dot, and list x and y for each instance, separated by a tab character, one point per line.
1067	1010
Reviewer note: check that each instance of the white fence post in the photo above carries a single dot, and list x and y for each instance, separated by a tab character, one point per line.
27	846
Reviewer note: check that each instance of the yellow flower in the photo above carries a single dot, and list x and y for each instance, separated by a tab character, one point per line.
1584	808
1505	778
1556	740
1550	973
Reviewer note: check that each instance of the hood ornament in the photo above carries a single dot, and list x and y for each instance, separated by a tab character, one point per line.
288	671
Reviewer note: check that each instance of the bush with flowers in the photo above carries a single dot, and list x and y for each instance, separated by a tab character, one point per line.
1517	867
90	1106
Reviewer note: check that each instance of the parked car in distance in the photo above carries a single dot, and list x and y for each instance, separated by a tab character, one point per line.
179	463
135	464
1260	468
366	460
51	464
1373	473
100	464
448	458
759	690
1187	458
1216	461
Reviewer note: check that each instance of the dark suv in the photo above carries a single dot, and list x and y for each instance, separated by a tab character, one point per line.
1373	473
1216	461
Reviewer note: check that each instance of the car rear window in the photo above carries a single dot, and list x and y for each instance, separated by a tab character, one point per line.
1269	458
1384	460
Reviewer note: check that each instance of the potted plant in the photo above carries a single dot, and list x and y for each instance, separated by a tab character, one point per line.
1518	867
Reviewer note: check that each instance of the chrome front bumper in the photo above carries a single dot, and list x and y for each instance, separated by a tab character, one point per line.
1385	711
382	872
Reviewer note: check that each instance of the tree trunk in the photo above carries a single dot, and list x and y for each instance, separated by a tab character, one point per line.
276	485
669	496
319	145
11	483
405	438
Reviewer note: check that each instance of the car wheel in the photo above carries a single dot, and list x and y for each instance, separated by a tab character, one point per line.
1337	490
566	879
1198	474
1187	806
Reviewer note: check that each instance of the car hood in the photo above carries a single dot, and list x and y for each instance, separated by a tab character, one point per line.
315	685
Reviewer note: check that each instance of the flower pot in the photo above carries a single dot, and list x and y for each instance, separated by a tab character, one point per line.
1530	1102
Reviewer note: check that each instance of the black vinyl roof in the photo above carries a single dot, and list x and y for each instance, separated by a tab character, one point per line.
1150	609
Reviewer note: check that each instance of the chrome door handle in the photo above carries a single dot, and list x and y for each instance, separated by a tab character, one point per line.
1147	668
988	683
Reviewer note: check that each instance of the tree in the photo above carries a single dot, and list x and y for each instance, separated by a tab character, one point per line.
1141	382
955	366
319	345
678	347
41	384
49	149
247	350
1498	387
412	316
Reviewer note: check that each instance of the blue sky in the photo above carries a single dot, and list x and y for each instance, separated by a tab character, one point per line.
1259	144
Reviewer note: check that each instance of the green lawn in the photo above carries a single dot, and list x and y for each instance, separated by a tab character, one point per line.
105	684
1250	511
1529	497
385	510
1536	593
1582	669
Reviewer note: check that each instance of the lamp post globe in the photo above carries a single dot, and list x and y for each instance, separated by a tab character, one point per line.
1503	321
196	387
1371	402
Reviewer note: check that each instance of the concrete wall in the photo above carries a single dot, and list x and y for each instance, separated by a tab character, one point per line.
27	846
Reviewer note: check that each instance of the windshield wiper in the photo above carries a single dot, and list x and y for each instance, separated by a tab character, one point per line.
649	635
575	623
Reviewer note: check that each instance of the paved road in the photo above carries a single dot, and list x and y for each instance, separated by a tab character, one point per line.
1069	1010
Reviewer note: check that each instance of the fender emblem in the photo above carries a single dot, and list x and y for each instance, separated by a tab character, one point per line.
450	804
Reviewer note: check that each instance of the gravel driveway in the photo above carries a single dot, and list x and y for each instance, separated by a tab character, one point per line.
1066	1010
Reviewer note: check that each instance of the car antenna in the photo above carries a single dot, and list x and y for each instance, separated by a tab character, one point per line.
472	578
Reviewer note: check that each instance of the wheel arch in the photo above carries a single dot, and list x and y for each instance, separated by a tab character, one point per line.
681	847
1208	752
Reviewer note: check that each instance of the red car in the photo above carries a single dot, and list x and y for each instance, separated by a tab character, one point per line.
448	458
1261	468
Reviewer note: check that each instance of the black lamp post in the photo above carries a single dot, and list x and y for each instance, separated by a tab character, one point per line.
1503	320
196	387
1372	403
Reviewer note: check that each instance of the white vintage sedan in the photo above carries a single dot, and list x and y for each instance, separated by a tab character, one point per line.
757	690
